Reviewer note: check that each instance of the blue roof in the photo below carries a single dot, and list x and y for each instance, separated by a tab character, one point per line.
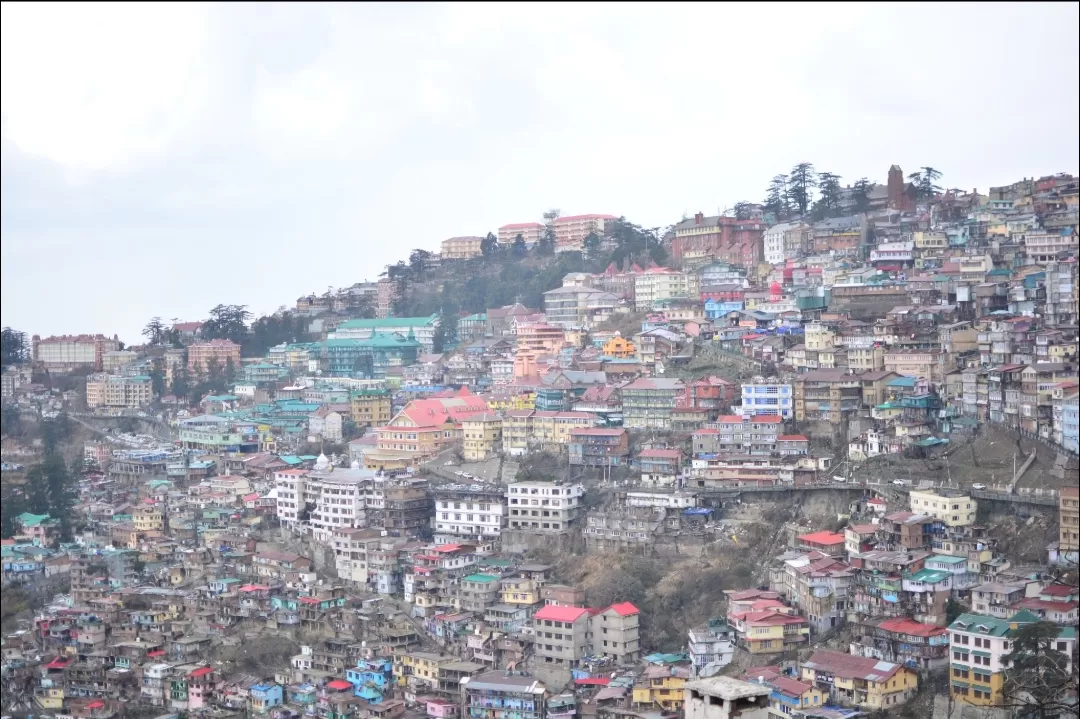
902	382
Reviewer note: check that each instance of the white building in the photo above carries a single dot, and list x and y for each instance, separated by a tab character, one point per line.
770	398
666	500
713	645
726	698
474	513
104	390
336	498
661	283
775	253
543	507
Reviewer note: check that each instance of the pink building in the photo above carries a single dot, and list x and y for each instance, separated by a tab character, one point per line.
200	354
441	709
571	231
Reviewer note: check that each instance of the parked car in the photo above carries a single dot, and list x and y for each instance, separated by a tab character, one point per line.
978	485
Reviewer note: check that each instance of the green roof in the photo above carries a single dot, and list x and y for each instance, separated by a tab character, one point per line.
483	578
1025	616
389	322
929	576
32	520
947	558
980	624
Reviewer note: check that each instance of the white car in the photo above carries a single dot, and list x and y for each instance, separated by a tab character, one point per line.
978	485
461	474
899	482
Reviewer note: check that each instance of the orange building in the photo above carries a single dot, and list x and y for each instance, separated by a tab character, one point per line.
619	348
421	430
540	337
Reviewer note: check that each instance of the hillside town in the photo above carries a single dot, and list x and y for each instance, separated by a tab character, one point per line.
351	511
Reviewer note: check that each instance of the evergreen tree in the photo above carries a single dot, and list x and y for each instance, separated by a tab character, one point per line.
14	349
776	197
860	195
1038	680
801	182
519	248
546	244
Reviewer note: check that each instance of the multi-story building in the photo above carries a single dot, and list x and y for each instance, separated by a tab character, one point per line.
722	697
370	407
739	434
68	352
654	286
527	430
614	633
776	244
387	292
421	430
712	644
977	644
734	241
531	232
903	641
571	231
115	391
599	447
649	402
827	395
579	306
952	509
501	695
560	635
543	507
858	681
468	513
1069	523
420	328
769	398
202	355
481	436
461	248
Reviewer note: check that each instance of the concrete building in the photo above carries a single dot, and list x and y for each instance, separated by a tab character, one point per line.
726	698
421	328
543	507
700	239
579	306
615	633
220	352
103	390
499	695
560	635
531	232
770	398
68	352
461	248
571	231
1069	523
952	509
658	284
777	246
481	437
977	644
468	513
711	645
370	407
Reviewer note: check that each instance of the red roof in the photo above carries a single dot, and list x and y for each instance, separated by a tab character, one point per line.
585	217
592	681
200	672
520	225
338	684
903	625
1059	590
557	613
624	609
792	438
825	537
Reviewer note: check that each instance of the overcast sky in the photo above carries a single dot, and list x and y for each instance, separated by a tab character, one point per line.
164	158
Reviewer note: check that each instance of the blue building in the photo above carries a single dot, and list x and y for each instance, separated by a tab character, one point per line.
265	697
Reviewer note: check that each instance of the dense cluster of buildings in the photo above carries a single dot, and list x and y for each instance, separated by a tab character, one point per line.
895	328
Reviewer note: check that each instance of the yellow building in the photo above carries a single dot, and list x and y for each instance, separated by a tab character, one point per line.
518	592
461	248
523	430
417	669
482	437
661	687
1069	522
147	519
520	400
863	682
977	644
954	511
931	240
50	698
619	348
370	407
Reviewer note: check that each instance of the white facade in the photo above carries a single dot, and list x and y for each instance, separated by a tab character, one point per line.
667	500
767	399
661	283
774	243
464	515
543	507
339	498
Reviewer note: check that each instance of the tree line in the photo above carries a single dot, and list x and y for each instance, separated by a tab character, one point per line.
50	487
805	192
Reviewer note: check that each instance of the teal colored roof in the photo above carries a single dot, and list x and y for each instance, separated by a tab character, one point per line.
887	405
929	576
1025	616
308	457
33	520
263	365
948	559
289	459
480	578
495	562
389	339
478	317
140	378
902	382
389	322
222	398
980	624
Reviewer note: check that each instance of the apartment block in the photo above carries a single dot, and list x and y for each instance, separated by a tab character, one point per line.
220	352
118	392
461	248
543	507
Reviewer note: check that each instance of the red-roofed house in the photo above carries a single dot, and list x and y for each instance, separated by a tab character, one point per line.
769	631
903	641
615	633
830	543
659	466
858	681
561	635
421	430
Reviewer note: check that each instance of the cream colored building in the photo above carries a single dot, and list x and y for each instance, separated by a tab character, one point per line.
531	232
103	390
482	436
571	231
461	248
661	283
954	511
